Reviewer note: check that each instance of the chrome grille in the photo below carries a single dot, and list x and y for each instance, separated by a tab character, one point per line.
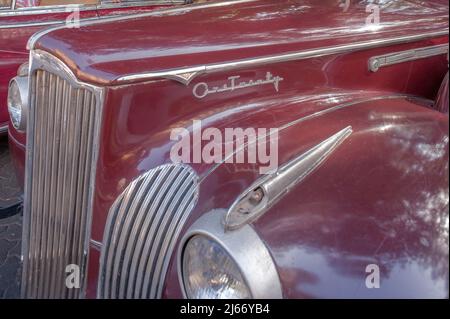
60	161
141	232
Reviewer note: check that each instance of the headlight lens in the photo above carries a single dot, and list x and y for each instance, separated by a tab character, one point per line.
210	273
17	100
14	104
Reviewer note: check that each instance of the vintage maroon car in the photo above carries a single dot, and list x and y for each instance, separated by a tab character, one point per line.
19	19
352	94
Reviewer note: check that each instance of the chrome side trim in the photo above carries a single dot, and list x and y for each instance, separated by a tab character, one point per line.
37	24
247	250
43	10
186	75
267	191
32	40
4	128
137	3
377	62
40	60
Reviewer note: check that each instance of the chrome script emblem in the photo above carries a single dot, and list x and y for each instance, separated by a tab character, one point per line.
202	89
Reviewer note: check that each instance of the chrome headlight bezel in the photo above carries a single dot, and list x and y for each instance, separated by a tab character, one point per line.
244	247
18	102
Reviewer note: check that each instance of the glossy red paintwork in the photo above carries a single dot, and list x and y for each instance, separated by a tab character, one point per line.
138	127
15	31
247	29
382	197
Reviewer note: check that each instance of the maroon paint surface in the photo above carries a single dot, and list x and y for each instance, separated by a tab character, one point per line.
381	198
233	32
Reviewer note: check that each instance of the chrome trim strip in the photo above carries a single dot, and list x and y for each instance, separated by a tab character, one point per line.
115	5
44	10
4	128
45	61
247	250
31	24
268	190
44	23
186	75
32	40
377	62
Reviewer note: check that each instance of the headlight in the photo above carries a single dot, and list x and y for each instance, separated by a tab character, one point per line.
17	102
214	263
210	273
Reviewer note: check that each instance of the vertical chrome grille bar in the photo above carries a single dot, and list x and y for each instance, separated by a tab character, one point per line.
49	220
34	229
60	176
62	172
65	213
76	167
55	99
59	98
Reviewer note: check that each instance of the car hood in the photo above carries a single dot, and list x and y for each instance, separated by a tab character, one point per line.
105	50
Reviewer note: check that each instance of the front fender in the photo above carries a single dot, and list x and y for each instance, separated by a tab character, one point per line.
380	198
